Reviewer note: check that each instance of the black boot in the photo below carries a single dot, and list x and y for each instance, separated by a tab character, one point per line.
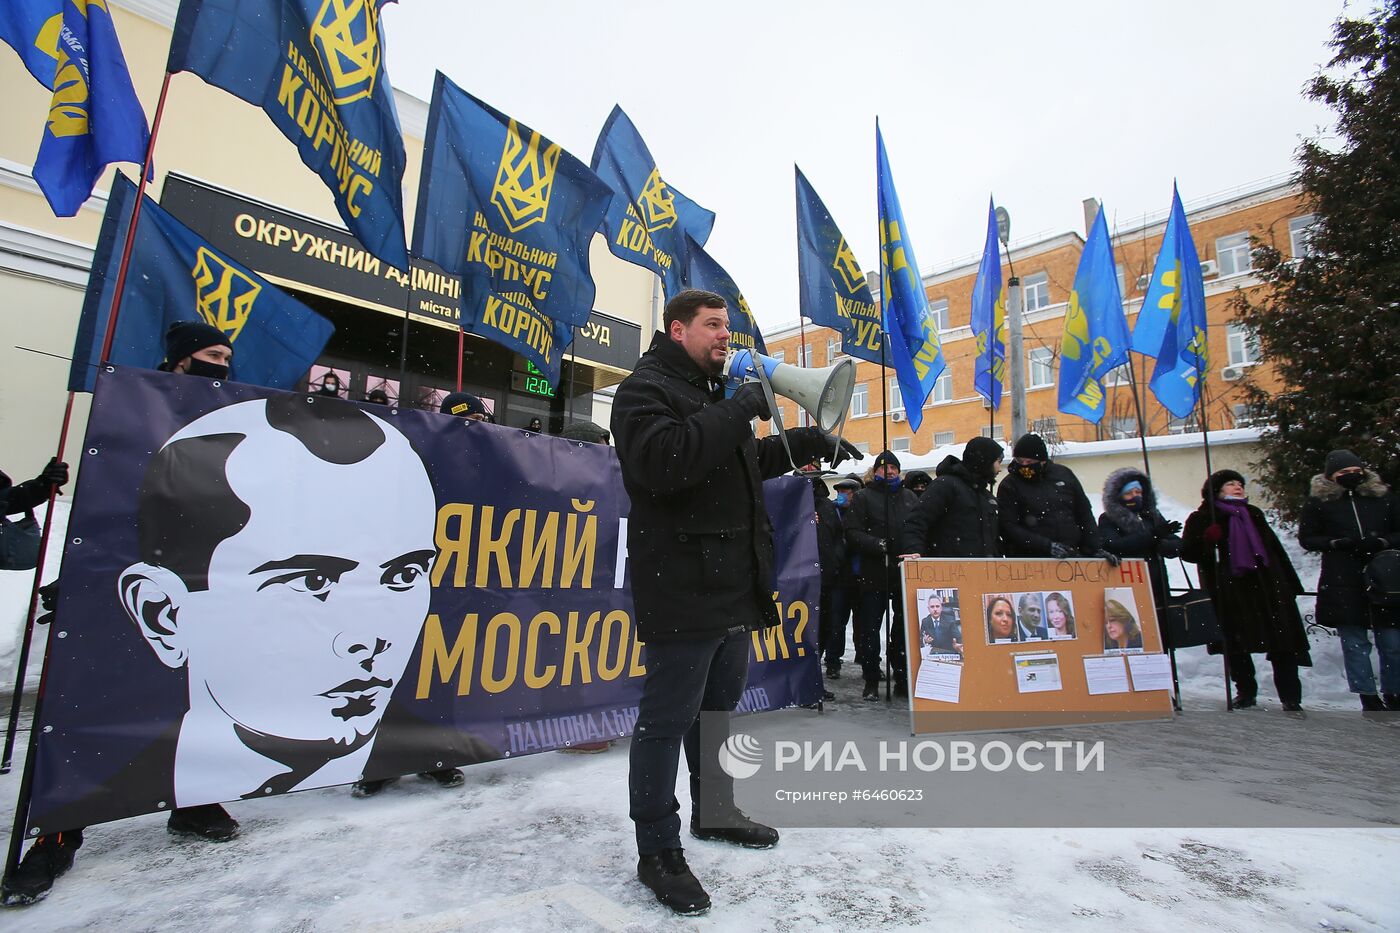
445	777
1245	701
210	822
872	690
670	879
48	858
1392	702
1372	707
363	788
734	827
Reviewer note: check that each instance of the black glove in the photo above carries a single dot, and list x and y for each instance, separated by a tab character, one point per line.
1113	559
1060	551
1171	528
1374	544
54	474
1344	544
752	402
48	595
834	453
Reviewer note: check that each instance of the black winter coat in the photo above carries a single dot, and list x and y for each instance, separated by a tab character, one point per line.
831	536
1144	534
698	537
873	526
21	497
1038	512
1332	512
1259	610
955	517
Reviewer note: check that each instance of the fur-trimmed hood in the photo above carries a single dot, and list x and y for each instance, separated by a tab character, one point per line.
1329	491
1121	516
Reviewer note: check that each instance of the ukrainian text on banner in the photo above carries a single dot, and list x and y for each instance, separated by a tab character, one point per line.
649	219
832	291
71	48
181	277
267	591
512	214
316	68
701	271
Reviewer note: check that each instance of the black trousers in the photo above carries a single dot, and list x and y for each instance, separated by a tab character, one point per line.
870	619
683	679
836	611
1286	682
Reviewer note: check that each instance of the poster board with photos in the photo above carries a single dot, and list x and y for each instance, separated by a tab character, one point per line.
999	644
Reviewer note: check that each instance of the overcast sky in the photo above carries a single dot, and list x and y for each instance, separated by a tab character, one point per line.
1042	104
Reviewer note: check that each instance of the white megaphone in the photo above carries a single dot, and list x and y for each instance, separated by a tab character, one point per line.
824	393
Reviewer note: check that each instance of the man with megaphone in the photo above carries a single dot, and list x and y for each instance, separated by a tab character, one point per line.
701	552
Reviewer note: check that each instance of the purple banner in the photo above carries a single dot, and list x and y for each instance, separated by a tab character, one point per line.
265	591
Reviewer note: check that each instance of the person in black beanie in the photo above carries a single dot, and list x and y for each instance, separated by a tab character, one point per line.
1253	587
957	514
916	481
873	528
1350	517
1044	512
465	405
196	349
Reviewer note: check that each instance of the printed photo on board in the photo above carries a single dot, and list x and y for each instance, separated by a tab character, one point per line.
1030	617
1059	615
1000	611
1122	632
940	624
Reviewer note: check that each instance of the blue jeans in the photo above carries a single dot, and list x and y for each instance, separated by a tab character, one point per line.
1356	654
683	679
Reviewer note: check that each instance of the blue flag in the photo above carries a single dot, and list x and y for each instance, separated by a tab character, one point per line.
912	331
512	214
175	275
649	219
1095	339
71	48
832	290
701	271
1172	323
316	68
989	317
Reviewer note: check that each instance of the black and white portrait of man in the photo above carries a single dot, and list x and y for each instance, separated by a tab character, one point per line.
285	546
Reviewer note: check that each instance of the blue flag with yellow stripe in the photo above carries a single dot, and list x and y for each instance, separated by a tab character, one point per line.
512	215
649	219
176	276
95	119
1095	339
989	317
1172	323
832	291
316	68
911	330
701	271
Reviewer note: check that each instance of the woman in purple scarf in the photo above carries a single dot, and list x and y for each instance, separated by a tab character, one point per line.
1253	586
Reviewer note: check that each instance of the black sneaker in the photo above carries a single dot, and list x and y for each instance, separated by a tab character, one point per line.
445	777
737	828
48	858
871	691
670	879
210	822
1245	702
363	788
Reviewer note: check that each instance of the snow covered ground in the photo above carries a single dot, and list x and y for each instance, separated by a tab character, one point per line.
544	843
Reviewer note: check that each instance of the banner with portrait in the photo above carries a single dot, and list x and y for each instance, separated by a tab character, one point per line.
266	591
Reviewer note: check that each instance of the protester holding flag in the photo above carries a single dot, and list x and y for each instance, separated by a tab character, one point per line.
1043	509
1253	587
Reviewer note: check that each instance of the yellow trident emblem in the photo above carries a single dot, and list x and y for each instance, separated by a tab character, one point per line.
658	202
224	295
525	179
346	34
847	267
68	110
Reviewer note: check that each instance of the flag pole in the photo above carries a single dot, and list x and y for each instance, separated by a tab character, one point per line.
1210	509
1142	423
403	340
26	780
573	371
461	348
885	445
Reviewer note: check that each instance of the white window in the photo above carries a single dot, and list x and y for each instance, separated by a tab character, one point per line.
1118	376
833	349
896	397
1047	428
944	438
1232	253
1187	425
938	310
1123	427
1245	416
997	433
1042	368
942	388
1122	285
779	355
1243	345
864	447
900	445
1035	289
1300	235
860	401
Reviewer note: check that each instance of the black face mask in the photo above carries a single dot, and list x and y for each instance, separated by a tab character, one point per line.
1351	480
206	369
